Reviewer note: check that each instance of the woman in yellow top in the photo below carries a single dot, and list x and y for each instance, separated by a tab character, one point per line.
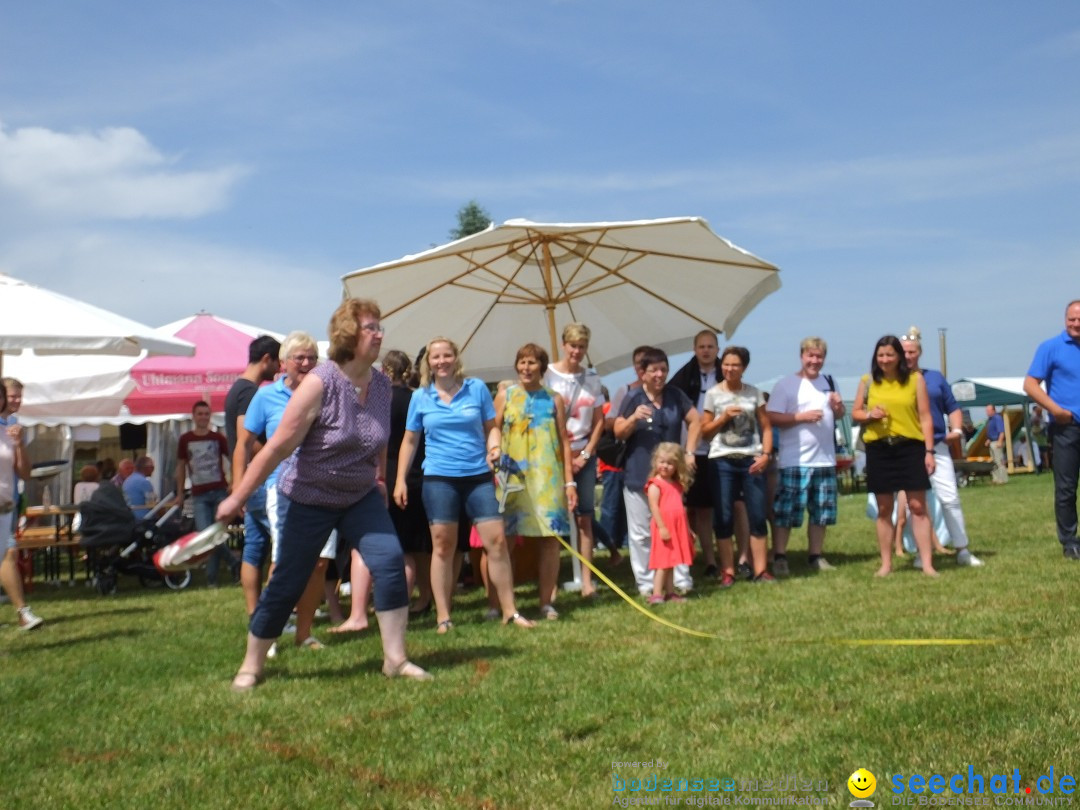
894	410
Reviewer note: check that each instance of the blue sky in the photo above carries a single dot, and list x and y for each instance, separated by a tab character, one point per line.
902	163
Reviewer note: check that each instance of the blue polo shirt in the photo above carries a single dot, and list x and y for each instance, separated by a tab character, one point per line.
455	443
942	401
138	491
1057	362
264	414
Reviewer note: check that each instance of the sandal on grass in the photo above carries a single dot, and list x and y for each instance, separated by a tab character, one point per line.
519	620
444	627
406	669
245	681
311	643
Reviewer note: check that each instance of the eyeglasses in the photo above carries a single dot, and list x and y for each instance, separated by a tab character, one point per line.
373	328
304	358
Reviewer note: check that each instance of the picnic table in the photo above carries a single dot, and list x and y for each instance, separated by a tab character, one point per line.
48	532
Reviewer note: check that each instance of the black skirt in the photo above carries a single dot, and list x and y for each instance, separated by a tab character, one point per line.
895	467
411	523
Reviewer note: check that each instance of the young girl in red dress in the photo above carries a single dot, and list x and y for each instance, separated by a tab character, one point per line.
671	541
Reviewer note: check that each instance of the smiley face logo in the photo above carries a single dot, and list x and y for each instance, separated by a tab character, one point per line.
862	784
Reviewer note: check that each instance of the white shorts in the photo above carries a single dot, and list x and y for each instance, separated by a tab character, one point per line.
276	517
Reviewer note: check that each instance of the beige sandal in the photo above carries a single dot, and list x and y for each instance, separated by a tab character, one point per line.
246	681
407	669
520	621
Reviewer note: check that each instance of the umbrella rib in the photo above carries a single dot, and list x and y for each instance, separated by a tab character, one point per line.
494	300
525	296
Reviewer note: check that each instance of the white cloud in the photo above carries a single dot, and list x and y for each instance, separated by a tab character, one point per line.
157	277
1065	45
114	173
881	179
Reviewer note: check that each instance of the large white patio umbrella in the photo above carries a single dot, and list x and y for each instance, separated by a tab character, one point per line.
655	282
32	317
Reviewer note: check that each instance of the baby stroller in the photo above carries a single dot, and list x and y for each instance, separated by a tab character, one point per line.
117	543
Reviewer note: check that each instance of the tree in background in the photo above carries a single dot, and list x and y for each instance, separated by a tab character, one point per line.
471	219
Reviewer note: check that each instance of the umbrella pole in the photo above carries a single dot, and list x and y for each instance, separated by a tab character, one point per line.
575	563
550	305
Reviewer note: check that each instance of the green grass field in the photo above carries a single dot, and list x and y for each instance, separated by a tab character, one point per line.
124	701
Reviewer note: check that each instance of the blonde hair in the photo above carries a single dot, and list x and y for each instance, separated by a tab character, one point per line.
298	340
574	332
813	343
672	451
425	364
345	327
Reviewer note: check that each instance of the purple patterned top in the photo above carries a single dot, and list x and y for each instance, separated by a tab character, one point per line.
336	463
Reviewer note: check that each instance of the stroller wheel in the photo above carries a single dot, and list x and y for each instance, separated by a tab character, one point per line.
105	583
178	582
153	580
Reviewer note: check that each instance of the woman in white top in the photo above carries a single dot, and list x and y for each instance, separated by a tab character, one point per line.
737	425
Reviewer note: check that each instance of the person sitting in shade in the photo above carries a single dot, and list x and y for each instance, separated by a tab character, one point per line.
138	491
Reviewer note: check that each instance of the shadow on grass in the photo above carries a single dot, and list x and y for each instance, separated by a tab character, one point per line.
70	618
37	648
433	661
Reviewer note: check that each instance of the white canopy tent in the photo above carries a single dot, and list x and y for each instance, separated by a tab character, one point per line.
47	322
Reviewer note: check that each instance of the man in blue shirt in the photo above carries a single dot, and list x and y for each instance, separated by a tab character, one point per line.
1057	363
942	405
995	439
138	490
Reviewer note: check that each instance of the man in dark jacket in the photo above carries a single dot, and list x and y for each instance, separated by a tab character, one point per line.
694	379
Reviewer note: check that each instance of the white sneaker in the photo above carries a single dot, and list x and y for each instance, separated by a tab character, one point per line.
821	564
28	620
917	563
290	628
272	652
965	557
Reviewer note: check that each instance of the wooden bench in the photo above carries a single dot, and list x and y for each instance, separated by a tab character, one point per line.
48	540
37	537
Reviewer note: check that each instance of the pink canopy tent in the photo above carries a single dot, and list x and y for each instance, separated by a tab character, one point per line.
165	385
92	389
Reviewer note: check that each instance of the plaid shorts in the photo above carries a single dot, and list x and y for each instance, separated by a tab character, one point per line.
802	489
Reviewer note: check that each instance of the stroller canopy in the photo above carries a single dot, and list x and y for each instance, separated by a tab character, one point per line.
106	518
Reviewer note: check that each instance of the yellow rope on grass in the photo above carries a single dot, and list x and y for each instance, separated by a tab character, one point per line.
852	642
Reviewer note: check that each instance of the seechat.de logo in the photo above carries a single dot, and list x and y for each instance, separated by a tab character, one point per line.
974	788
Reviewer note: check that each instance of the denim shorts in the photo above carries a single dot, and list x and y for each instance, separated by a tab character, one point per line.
256	530
586	488
732	477
7	536
444	499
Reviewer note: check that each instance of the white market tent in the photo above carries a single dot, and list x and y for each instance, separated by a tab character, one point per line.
69	398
